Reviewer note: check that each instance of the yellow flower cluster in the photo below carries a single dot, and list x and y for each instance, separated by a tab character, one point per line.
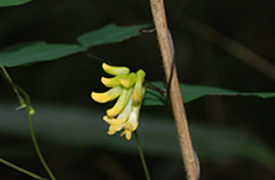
128	88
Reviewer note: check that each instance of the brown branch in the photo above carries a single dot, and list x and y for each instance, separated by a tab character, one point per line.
233	47
158	11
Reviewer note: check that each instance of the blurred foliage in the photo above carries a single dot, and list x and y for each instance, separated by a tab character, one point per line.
34	52
70	80
56	126
193	92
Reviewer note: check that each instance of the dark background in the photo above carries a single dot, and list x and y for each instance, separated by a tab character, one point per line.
69	80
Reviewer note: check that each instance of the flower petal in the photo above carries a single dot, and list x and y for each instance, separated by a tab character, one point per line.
112	82
128	134
114	121
106	96
132	122
114	128
129	81
121	103
115	70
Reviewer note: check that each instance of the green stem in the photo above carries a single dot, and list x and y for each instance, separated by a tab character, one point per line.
30	112
92	56
35	176
37	147
142	157
7	77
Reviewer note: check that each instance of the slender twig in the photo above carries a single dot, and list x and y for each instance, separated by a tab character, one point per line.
24	171
229	45
30	112
158	11
142	157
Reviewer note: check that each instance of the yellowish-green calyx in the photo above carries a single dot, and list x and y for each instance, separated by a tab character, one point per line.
129	90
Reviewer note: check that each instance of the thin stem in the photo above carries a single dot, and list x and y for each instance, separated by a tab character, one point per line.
38	149
143	161
189	159
33	175
149	85
7	77
36	146
92	56
30	112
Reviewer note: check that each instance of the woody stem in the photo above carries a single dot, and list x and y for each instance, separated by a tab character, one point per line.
158	11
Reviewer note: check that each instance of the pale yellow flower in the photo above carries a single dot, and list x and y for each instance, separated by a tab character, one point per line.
128	88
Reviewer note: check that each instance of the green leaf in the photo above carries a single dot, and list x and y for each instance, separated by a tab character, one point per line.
6	3
193	92
26	53
109	34
85	128
33	52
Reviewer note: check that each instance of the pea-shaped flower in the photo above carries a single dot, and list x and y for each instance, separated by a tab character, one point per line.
129	91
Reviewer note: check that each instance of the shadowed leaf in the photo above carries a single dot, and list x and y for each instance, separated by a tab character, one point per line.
193	92
109	34
26	53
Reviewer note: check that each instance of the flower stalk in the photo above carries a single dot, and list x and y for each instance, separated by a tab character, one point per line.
147	174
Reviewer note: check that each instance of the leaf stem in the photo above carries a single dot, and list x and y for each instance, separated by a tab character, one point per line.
24	171
143	161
